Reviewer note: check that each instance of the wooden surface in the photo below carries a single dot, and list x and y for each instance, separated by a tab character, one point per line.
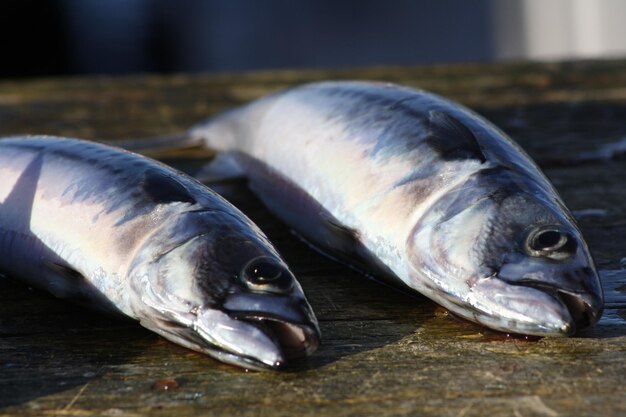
384	353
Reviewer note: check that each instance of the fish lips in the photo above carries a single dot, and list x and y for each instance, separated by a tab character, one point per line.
287	321
584	308
256	331
578	288
535	308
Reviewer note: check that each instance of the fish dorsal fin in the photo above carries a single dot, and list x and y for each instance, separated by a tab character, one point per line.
452	139
163	188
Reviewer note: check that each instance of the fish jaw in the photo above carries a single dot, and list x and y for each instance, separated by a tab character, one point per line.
250	339
248	344
290	319
519	309
258	341
581	294
253	331
217	335
533	309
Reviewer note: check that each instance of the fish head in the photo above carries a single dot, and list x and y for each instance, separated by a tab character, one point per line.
505	252
227	293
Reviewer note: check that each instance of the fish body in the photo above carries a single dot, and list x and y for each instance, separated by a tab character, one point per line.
419	190
126	234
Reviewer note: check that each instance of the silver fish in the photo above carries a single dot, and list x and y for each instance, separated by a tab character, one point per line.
122	233
407	185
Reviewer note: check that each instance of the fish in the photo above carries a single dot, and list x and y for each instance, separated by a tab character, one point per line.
415	190
127	235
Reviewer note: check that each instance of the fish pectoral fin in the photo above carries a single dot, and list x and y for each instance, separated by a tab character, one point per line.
66	271
339	237
71	284
346	232
343	244
224	167
452	139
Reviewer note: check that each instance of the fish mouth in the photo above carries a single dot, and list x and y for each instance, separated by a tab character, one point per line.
529	307
582	308
256	331
293	341
252	341
287	322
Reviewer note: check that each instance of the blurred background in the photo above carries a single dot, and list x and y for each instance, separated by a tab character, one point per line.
69	37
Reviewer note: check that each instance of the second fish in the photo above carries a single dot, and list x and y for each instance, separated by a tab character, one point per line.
408	186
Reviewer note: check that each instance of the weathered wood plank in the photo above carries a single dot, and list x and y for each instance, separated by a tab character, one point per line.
384	353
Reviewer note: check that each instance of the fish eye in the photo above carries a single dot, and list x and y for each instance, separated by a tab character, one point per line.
265	274
550	242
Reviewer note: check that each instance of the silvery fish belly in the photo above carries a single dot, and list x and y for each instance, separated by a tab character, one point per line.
407	185
123	233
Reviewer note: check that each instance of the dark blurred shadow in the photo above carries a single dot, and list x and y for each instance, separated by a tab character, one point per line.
122	36
34	39
48	345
